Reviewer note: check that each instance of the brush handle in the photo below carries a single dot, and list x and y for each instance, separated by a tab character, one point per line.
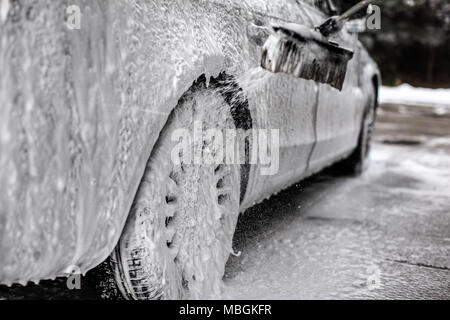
354	9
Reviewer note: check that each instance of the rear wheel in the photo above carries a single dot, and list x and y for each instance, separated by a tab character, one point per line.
357	162
179	233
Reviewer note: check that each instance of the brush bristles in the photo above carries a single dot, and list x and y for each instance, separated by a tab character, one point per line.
308	59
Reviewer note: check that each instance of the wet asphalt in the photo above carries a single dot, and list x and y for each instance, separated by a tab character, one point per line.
383	235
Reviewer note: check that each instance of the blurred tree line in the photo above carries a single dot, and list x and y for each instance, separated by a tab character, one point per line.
413	44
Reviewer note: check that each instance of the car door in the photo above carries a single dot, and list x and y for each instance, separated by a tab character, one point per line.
339	113
280	102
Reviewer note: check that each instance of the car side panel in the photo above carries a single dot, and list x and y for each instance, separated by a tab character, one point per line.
284	103
319	125
340	112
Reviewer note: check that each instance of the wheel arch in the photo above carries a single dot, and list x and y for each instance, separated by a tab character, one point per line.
234	96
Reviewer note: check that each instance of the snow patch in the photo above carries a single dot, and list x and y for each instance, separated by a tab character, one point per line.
410	95
4	9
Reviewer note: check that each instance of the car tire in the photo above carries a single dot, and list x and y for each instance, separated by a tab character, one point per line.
358	162
178	236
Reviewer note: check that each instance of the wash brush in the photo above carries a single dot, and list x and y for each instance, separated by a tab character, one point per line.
305	53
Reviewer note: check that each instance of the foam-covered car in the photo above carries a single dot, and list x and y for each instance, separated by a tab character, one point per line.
91	95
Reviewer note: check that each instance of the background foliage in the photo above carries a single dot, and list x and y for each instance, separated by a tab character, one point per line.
413	44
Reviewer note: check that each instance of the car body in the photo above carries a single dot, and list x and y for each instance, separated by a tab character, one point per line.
81	110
